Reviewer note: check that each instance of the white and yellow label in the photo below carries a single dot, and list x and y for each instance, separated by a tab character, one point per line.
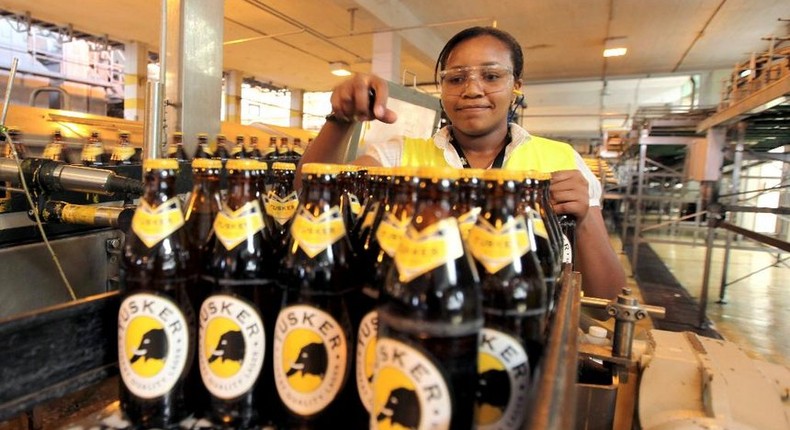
467	220
391	231
503	372
498	245
122	153
281	209
408	390
234	227
315	234
91	152
538	226
152	224
231	346
153	344
366	357
420	252
52	151
370	216
310	358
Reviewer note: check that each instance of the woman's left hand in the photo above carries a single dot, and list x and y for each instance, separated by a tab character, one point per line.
569	193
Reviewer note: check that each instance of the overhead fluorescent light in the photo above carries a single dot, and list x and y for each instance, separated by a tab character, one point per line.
614	47
339	68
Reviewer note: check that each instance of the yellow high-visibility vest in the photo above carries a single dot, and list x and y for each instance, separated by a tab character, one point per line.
537	153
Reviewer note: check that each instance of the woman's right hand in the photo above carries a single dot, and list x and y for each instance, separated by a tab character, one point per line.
351	99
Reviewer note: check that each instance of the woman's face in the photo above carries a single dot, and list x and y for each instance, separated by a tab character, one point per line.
478	105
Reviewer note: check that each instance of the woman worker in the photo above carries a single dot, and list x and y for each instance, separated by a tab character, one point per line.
479	73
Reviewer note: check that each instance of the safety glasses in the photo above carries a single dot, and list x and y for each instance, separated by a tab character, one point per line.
491	78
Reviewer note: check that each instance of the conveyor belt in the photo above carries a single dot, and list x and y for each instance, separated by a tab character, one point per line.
660	288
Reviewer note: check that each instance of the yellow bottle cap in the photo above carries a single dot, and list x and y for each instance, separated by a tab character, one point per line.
537	175
471	173
321	168
502	175
283	166
438	172
405	171
206	163
379	171
242	164
160	164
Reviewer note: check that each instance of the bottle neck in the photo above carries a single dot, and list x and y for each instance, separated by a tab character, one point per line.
159	186
242	188
321	192
501	199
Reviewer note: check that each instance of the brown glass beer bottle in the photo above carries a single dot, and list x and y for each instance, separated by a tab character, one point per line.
156	321
429	320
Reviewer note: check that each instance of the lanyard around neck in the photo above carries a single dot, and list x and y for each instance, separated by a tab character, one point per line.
499	160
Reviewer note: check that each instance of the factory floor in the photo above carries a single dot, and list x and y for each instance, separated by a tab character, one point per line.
757	307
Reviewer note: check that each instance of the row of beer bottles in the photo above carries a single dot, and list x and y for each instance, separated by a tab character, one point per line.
434	312
282	149
93	152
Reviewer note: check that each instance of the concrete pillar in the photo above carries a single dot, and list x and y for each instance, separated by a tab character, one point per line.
297	109
233	81
194	68
135	75
386	56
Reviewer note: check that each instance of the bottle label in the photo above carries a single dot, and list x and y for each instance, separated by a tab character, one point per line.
420	252
122	153
52	151
366	357
153	344
567	251
91	152
409	390
298	150
315	234
152	224
356	207
236	149
503	371
282	209
231	345
391	231
310	358
171	150
498	245
370	216
467	220
538	226
234	227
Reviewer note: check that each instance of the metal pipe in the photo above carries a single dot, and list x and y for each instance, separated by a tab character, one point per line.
734	185
152	126
703	299
657	312
7	98
639	191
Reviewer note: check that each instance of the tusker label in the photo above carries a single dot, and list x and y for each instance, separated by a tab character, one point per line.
91	152
282	209
52	151
370	216
499	245
366	357
420	252
537	224
409	390
567	251
310	358
315	234
122	153
356	206
503	372
467	220
391	231
152	224
231	346
153	344
234	227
